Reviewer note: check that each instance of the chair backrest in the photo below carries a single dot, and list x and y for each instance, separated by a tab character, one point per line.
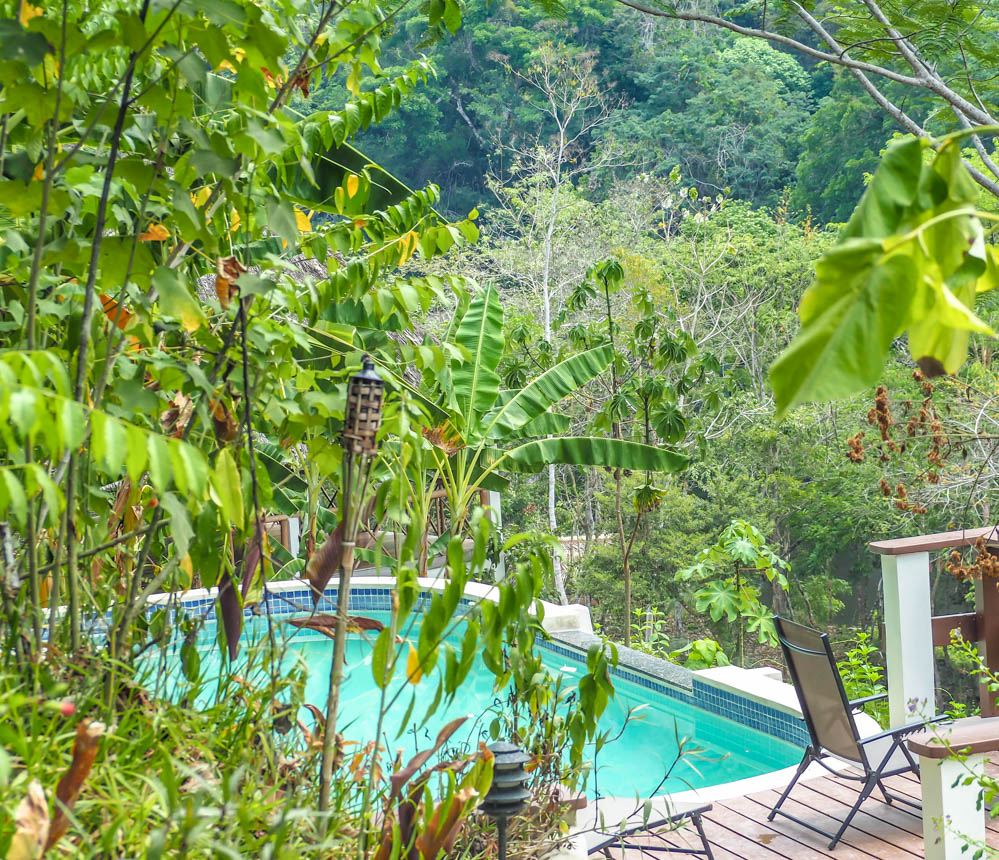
816	679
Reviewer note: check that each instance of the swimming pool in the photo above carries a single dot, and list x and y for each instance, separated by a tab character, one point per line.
633	764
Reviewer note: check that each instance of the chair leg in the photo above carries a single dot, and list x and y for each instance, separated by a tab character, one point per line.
704	839
884	791
864	794
805	761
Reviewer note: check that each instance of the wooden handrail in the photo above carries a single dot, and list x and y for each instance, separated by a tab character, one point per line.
968	623
940	540
970	735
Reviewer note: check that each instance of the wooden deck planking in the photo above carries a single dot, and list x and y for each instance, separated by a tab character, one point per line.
853	846
815	810
803	843
738	828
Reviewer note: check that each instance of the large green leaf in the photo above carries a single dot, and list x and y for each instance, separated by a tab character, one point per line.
913	256
553	385
549	424
719	598
476	382
588	451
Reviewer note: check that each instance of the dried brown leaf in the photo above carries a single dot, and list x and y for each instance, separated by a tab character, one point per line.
31	821
88	736
231	611
445	437
442	830
118	508
256	555
326	623
325	562
223	419
230	268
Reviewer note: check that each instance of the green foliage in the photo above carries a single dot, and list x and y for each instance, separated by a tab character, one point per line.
650	635
839	147
192	270
741	127
912	258
862	676
702	654
466	447
649	632
727	592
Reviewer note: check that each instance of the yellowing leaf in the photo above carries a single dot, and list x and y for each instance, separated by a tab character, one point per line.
39	173
234	221
155	233
407	244
28	12
413	670
176	299
200	197
353	183
354	80
303	220
238	54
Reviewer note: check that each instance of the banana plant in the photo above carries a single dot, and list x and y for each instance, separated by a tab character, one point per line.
489	432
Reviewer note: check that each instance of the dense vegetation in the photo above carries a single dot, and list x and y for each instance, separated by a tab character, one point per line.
622	296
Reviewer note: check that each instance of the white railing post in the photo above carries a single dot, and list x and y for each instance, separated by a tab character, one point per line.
908	636
952	818
495	502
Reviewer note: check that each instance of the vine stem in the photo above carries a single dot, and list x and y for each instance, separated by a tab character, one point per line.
82	353
258	525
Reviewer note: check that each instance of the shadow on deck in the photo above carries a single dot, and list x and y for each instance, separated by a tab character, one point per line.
738	829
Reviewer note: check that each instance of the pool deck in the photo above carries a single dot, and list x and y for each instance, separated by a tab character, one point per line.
737	828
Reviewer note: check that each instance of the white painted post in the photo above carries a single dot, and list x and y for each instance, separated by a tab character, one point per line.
952	818
908	636
494	501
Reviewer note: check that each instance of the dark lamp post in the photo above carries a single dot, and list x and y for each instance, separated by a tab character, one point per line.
363	414
507	795
361	419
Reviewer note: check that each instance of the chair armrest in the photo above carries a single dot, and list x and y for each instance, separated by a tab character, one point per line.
856	703
903	731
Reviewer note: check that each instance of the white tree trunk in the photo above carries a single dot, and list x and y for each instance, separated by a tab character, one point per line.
547	301
552	524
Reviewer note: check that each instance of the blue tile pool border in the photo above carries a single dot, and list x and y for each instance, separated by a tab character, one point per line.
366	598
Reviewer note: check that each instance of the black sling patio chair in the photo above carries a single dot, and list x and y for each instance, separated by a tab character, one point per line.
833	731
603	841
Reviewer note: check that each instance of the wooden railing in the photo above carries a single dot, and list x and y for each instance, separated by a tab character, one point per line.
905	576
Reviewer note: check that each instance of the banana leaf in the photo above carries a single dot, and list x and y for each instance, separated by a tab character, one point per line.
588	451
531	402
476	382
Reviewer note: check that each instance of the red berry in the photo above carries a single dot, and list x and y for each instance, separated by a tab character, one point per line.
67	708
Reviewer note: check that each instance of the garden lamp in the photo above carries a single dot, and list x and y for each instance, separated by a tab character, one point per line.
507	795
362	417
363	413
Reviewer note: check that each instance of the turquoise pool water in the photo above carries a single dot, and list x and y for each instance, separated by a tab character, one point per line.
633	764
